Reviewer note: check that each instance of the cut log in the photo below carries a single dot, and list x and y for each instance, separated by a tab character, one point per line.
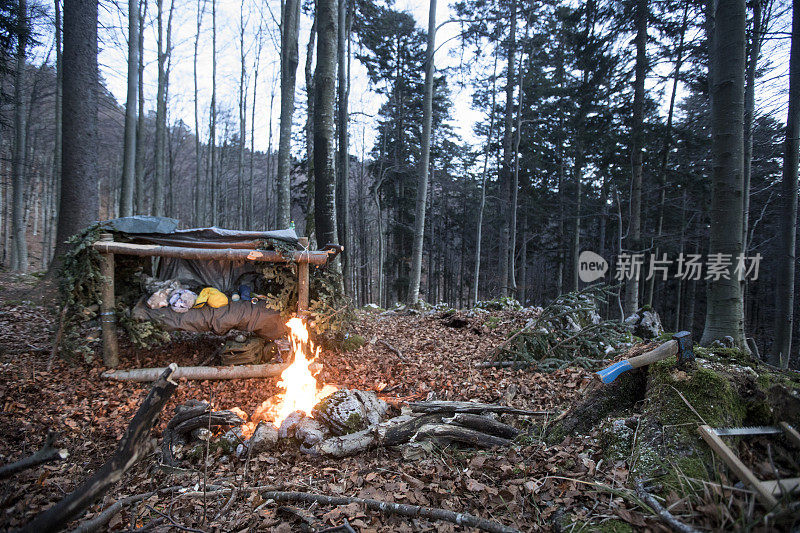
200	372
394	431
460	435
470	407
213	419
131	447
484	424
45	454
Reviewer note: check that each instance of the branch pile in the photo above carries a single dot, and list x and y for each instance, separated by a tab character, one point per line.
568	332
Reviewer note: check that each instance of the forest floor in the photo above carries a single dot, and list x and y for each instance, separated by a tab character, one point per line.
566	486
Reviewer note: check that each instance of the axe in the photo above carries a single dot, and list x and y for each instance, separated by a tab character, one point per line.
680	345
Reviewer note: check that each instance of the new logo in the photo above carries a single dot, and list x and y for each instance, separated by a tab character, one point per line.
591	266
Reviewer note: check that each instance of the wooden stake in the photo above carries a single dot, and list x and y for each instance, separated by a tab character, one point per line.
107	319
302	280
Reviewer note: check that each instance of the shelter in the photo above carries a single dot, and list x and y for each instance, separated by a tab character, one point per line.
213	257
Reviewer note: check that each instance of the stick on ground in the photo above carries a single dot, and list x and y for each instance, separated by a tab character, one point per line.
665	516
45	454
131	448
402	509
199	372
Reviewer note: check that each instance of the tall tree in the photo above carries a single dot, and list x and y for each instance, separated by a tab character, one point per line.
343	139
57	133
506	169
241	209
160	157
784	288
724	312
79	203
324	141
637	127
424	159
129	148
199	191
290	30
213	185
141	203
749	113
19	255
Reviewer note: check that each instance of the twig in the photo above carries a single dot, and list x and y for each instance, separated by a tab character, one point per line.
344	528
174	522
665	516
391	348
45	454
689	405
396	508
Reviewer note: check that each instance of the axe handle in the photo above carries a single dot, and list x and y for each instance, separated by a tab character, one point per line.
667	349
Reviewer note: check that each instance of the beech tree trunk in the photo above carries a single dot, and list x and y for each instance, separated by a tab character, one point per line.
632	283
784	286
199	191
290	28
57	136
19	255
749	116
506	170
129	148
141	203
79	203
424	160
324	141
213	189
724	313
343	138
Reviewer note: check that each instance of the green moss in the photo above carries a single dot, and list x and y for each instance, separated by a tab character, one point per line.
670	447
354	423
616	441
492	322
612	525
725	355
353	342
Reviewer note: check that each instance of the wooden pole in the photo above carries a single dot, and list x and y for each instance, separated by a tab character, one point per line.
302	280
316	257
107	319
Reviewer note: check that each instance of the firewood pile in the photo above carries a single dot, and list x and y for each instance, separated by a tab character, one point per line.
344	423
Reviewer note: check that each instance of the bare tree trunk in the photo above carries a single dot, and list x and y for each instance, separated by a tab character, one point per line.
161	119
724	313
199	215
749	115
784	286
424	160
290	30
241	205
343	167
19	252
309	75
53	197
213	185
482	204
632	283
129	149
141	204
269	219
251	221
506	172
79	203
324	141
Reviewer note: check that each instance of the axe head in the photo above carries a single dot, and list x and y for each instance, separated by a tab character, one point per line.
685	353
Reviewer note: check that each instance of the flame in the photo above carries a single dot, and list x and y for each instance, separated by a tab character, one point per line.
299	385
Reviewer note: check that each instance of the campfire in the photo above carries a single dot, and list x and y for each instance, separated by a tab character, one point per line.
301	391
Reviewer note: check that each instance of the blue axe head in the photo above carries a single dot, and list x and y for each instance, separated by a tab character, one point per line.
609	374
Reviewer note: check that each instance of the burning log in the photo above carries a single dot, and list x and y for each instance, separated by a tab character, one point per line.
131	447
199	372
45	454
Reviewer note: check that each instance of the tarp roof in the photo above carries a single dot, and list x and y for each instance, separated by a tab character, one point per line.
145	229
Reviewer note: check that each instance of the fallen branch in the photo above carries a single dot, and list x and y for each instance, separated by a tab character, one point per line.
483	424
45	454
183	412
470	407
199	372
401	509
131	447
392	349
461	435
665	516
504	364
